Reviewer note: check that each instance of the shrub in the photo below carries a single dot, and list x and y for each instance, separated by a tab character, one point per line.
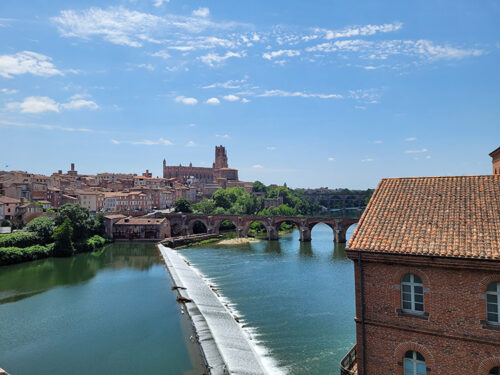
19	239
63	246
12	254
92	244
43	227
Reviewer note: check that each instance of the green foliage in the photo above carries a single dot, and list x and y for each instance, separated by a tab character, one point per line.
80	220
43	227
259	187
18	239
226	225
98	227
92	244
183	205
206	207
282	210
11	255
62	236
5	223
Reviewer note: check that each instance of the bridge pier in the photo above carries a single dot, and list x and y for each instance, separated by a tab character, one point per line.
340	235
305	234
272	234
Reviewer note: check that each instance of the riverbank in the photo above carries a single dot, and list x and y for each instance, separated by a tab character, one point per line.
225	346
237	241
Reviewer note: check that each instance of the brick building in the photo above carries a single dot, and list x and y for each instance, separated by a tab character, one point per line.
141	228
427	269
220	171
495	155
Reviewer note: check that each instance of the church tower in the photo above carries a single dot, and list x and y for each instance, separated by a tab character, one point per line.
220	157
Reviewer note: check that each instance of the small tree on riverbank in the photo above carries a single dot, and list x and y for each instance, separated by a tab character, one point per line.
183	205
62	236
43	227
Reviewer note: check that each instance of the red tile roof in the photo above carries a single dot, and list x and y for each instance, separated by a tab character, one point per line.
436	216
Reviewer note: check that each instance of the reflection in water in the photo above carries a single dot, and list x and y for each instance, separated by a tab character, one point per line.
339	251
24	280
306	249
272	247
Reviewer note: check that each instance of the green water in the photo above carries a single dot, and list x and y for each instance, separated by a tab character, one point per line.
297	298
104	313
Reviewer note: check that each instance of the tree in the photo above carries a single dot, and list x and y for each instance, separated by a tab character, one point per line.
183	205
98	227
221	198
259	187
80	220
206	207
63	246
43	227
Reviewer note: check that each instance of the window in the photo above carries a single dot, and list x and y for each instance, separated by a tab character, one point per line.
493	303
414	363
412	294
494	371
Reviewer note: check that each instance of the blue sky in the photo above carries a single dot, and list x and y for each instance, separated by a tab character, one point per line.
323	93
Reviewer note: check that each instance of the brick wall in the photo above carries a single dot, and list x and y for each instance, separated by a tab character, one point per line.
451	335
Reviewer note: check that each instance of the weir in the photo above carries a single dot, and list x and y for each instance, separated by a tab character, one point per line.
224	344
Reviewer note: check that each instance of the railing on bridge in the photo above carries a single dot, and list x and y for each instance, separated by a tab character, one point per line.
348	365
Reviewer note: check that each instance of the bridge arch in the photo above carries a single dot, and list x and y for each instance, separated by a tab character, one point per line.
218	223
272	234
197	225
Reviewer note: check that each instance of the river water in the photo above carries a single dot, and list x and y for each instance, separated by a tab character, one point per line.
296	299
113	312
110	312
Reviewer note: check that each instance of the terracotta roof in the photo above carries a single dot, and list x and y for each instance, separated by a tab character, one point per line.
140	221
437	216
495	152
114	216
5	199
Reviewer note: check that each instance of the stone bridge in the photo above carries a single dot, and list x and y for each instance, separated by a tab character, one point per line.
183	224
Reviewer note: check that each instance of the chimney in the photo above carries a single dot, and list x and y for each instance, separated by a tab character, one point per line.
72	166
495	160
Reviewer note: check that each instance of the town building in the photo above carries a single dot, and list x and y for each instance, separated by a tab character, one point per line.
141	228
495	155
426	256
9	207
220	171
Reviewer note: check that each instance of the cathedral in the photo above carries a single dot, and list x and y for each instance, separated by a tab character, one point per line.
219	173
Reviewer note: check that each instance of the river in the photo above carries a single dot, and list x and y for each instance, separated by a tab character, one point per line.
113	311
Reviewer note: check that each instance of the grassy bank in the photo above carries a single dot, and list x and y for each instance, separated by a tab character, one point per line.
225	236
25	246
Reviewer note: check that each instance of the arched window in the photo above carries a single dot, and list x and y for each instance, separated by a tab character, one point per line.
412	294
493	303
494	371
414	363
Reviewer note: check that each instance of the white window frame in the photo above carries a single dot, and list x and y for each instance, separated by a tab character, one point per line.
491	304
414	362
412	284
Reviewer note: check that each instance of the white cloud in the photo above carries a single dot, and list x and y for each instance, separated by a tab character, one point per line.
360	30
270	148
367	160
9	91
190	144
331	159
416	151
282	52
125	27
257	166
231	84
146	66
27	62
226	136
212	58
158	3
245	100
79	104
213	101
163	54
283	93
114	141
192	125
44	126
231	98
148	142
35	104
185	100
39	104
410	139
201	12
378	142
428	157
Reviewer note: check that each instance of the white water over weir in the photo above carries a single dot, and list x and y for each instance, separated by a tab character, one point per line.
224	344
